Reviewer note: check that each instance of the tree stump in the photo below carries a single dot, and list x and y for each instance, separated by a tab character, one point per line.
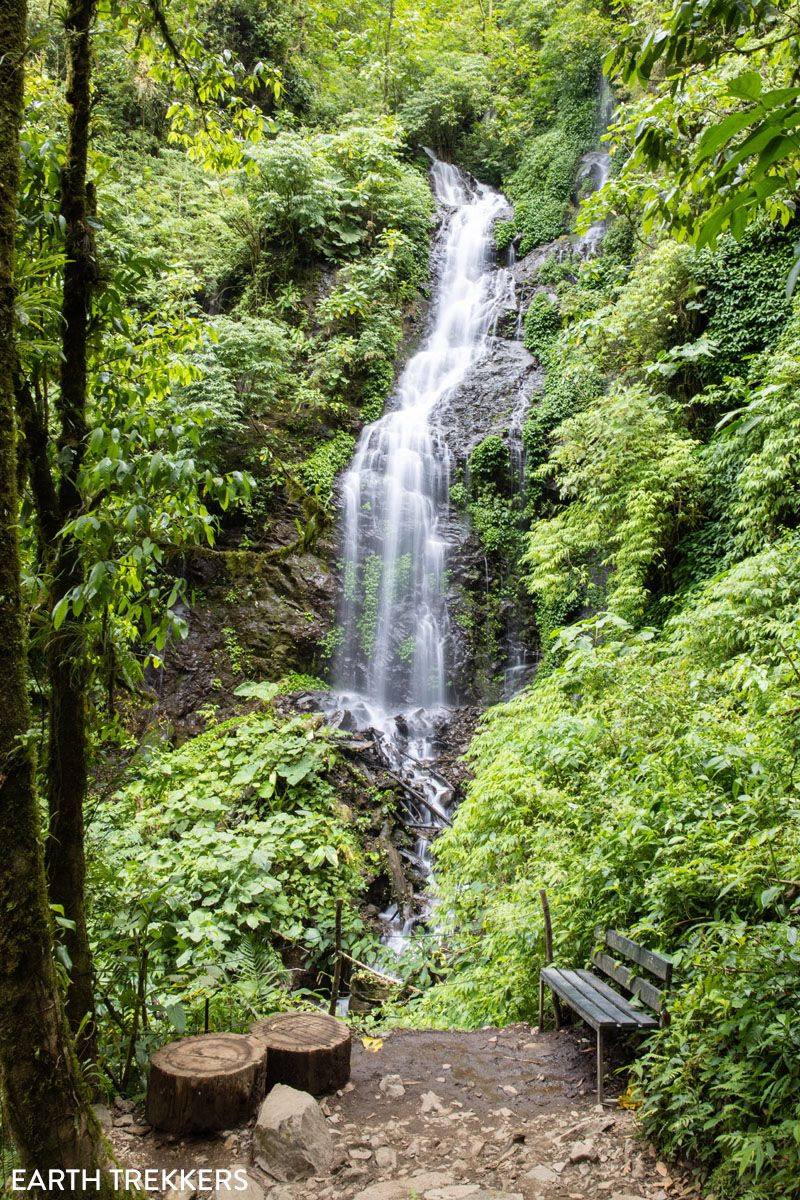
213	1081
305	1050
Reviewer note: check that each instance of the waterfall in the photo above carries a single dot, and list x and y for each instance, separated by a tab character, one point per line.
395	494
596	165
391	673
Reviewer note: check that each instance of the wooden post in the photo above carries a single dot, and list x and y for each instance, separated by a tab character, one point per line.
548	954
548	928
600	1066
337	968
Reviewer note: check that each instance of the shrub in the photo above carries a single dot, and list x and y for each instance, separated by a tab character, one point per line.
440	113
541	326
320	469
218	854
490	465
629	476
653	311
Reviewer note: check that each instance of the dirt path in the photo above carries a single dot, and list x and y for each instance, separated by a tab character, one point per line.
485	1115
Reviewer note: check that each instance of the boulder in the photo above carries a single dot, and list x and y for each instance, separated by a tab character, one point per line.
291	1139
583	1152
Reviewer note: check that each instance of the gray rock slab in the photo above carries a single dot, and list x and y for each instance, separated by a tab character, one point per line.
291	1138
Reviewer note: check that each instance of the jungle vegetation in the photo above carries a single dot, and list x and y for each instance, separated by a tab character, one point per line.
214	222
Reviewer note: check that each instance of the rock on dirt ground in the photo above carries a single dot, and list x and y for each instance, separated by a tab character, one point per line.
492	1114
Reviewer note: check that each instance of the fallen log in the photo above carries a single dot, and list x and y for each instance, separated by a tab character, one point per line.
403	891
416	795
381	975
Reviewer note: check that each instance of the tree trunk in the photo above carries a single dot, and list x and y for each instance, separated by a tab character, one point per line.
44	1103
387	49
67	660
213	1081
308	1051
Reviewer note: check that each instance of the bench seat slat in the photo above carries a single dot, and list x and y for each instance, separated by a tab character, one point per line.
590	1004
560	982
615	1006
644	1019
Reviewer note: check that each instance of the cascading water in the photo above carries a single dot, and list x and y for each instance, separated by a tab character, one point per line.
392	668
395	494
595	165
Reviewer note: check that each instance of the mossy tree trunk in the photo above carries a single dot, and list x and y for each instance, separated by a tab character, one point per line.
44	1101
67	652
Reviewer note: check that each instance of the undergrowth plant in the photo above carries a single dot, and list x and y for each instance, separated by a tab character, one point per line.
216	871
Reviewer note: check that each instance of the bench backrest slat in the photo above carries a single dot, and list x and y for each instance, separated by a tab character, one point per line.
656	964
634	983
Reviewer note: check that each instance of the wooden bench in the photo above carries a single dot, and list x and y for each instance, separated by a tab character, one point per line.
598	1004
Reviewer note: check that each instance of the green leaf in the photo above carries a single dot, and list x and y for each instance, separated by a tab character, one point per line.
293	773
724	131
747	86
60	612
176	1015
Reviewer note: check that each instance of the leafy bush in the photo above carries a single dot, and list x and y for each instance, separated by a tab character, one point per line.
542	323
653	311
489	464
722	1083
746	310
441	112
757	446
630	477
296	198
541	187
234	845
319	470
323	195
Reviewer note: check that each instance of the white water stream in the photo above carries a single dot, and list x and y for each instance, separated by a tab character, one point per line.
392	669
395	494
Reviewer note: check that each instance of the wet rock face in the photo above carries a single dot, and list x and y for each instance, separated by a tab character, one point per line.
525	270
493	400
260	618
504	379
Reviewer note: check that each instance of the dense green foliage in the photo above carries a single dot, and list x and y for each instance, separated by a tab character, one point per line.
647	777
647	783
261	221
214	868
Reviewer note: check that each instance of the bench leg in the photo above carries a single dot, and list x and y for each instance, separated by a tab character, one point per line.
541	1004
600	1066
